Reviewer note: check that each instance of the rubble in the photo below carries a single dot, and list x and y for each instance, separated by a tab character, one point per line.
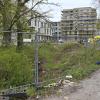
65	82
71	84
62	82
66	98
69	76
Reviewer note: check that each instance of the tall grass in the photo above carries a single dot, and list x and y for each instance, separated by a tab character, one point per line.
57	60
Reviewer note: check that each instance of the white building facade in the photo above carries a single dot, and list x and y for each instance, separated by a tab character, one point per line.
43	27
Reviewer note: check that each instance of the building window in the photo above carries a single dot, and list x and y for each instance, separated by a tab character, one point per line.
35	22
42	24
39	30
56	33
47	31
55	28
55	24
38	23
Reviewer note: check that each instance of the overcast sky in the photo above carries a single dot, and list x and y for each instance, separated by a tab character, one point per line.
64	4
68	4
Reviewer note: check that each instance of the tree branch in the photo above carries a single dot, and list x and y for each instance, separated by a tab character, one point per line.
43	15
14	20
47	3
31	9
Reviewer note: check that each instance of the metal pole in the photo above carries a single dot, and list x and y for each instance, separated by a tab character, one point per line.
36	55
36	61
58	37
36	66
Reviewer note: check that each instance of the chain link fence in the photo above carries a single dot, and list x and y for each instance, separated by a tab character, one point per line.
69	59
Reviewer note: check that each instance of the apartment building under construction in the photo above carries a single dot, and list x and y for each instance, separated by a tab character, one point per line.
79	22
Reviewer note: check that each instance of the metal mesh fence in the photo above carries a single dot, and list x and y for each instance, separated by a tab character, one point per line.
50	82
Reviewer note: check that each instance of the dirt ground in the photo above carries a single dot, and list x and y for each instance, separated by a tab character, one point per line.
90	90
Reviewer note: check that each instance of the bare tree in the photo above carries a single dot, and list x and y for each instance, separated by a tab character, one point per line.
15	18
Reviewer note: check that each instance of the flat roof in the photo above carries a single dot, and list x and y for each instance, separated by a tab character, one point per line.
78	8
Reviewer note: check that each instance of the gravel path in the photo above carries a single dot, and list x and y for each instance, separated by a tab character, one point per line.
90	90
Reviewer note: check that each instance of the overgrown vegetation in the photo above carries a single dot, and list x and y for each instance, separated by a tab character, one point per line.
56	60
15	68
71	58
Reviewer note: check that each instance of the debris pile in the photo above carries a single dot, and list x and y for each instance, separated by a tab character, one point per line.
62	82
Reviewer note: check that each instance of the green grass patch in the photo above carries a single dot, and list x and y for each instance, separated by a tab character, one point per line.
17	68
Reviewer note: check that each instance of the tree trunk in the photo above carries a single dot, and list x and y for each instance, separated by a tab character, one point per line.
19	27
6	39
19	35
19	40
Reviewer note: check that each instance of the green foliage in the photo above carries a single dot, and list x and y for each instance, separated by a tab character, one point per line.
31	91
46	54
83	71
57	60
70	59
15	68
